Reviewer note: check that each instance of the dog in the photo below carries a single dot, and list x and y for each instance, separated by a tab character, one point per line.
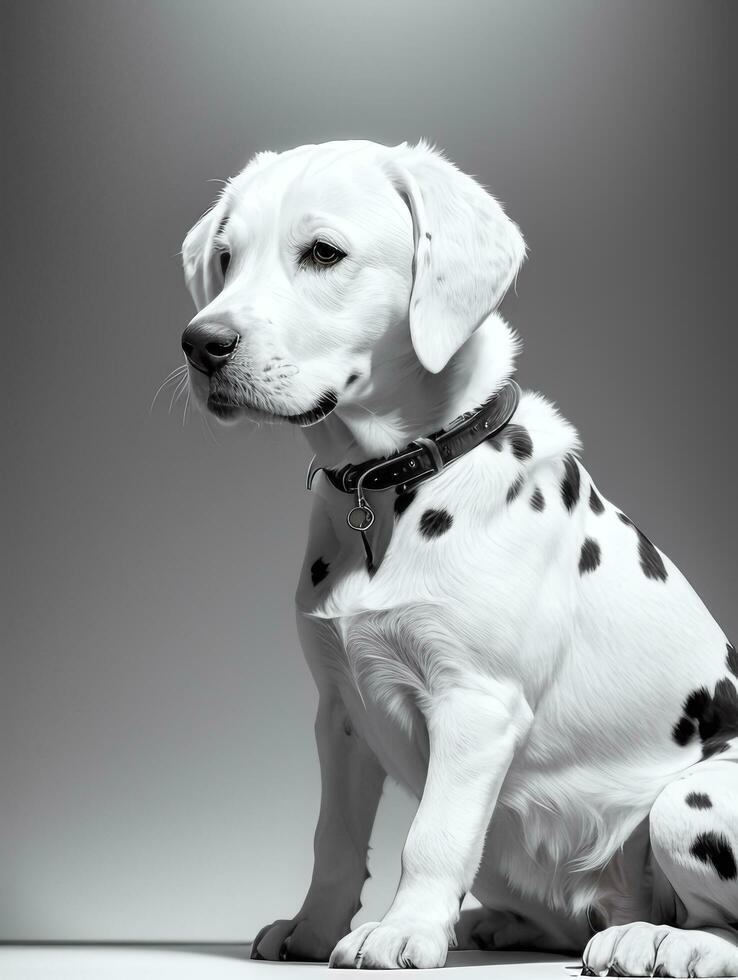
482	624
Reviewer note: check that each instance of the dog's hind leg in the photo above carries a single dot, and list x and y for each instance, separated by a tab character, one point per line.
694	836
505	919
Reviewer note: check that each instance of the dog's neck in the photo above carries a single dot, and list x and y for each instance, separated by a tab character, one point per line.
408	401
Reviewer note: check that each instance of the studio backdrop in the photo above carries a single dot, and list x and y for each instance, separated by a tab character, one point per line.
159	779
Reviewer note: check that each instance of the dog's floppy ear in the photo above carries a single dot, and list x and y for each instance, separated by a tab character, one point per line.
198	257
467	251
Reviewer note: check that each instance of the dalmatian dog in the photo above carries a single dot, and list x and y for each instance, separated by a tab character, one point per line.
495	634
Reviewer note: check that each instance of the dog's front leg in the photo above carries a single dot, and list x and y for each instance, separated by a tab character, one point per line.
473	733
351	785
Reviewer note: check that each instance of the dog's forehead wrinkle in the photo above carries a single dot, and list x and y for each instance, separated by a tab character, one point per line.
285	175
363	212
331	155
339	197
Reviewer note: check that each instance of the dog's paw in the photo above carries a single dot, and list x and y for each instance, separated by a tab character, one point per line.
392	945
301	939
641	949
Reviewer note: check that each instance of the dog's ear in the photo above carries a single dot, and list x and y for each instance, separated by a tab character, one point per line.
198	257
467	251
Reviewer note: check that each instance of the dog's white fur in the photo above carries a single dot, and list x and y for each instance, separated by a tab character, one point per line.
516	696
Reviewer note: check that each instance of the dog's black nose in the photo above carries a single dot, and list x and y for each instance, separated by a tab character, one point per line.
207	347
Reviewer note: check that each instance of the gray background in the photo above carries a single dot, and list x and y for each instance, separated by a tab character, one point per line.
158	774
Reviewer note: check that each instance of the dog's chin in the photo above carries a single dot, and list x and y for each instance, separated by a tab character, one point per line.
224	411
228	411
321	410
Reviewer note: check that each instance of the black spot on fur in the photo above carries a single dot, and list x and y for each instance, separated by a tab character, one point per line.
537	500
351	378
731	659
515	487
520	441
434	523
590	556
428	235
698	702
698	801
651	561
403	501
683	731
714	849
652	564
318	570
570	482
595	504
714	716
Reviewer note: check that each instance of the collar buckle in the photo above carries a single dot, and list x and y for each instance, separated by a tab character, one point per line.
433	451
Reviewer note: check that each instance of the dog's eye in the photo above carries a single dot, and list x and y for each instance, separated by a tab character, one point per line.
324	254
225	261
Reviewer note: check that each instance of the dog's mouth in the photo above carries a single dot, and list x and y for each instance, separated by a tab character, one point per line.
321	410
224	409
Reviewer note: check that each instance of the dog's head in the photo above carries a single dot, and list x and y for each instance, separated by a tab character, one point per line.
319	266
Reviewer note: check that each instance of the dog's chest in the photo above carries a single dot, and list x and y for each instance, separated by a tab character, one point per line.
428	556
458	589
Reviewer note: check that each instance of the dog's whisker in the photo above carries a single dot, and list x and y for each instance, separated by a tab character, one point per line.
367	410
184	390
209	430
177	392
172	376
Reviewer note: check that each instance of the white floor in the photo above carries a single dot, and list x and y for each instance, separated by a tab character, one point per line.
232	963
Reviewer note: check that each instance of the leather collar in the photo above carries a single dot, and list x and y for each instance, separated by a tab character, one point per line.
425	455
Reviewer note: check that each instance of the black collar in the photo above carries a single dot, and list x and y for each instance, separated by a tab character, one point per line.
424	456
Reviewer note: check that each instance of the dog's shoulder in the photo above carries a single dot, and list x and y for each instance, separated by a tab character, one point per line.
552	435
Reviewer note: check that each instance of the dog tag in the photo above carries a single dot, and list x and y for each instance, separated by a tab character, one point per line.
360	518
